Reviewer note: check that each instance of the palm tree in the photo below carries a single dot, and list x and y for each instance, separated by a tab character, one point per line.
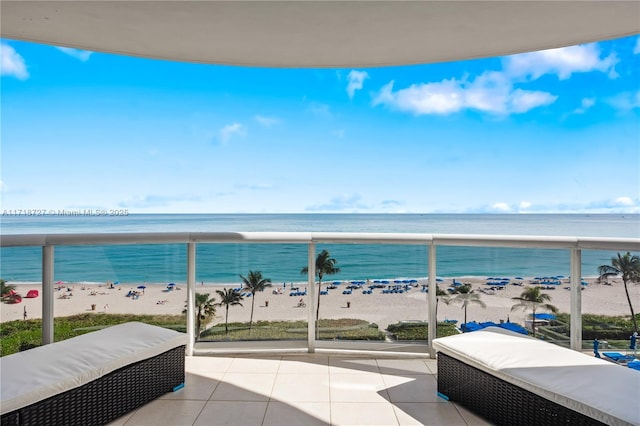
441	295
7	292
532	299
254	282
229	297
325	265
206	309
466	298
4	288
629	267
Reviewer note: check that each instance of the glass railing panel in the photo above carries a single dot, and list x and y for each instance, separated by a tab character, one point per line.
272	312
482	286
21	271
96	286
606	310
376	293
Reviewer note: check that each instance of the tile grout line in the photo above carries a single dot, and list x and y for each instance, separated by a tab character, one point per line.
270	400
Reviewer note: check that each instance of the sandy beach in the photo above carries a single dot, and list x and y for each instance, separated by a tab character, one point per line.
379	308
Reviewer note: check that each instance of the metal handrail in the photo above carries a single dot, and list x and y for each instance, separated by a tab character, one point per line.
471	240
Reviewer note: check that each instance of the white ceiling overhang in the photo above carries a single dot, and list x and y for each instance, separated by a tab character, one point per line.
317	33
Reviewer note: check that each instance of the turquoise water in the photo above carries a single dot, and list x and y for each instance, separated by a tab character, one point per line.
223	263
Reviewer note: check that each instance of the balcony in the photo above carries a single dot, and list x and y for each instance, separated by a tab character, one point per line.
313	380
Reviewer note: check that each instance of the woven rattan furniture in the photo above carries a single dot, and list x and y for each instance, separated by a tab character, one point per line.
511	379
91	379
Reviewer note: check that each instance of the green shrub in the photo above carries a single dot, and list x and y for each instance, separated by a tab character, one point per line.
419	330
610	328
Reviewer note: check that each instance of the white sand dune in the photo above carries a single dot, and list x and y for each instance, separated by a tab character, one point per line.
379	308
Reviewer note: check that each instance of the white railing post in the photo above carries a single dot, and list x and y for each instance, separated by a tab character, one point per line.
575	330
191	296
311	312
432	299
47	294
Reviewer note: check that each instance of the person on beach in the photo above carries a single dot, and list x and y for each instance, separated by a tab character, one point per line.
106	308
24	315
633	343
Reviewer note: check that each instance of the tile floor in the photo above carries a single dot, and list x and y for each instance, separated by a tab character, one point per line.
308	389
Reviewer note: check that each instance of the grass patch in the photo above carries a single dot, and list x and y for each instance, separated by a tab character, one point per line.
15	335
419	330
330	329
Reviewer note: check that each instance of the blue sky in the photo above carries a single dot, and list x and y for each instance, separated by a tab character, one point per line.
555	131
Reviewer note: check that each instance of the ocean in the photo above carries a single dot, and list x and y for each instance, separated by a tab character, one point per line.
224	263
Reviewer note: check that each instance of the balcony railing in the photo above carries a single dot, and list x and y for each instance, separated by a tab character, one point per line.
573	245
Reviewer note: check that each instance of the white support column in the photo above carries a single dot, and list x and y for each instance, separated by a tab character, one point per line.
311	311
431	298
576	300
47	294
191	297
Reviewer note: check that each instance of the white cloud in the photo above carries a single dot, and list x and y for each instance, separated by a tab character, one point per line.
230	130
525	100
625	101
356	81
636	48
12	63
430	98
501	207
623	202
585	104
490	92
266	121
620	205
563	62
82	55
524	205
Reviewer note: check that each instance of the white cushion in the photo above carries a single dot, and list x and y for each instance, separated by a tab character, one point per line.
599	389
45	371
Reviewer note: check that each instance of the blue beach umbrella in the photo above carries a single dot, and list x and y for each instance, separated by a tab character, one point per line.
171	284
116	282
142	287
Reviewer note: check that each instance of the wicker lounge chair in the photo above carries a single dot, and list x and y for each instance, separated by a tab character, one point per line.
91	379
513	379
